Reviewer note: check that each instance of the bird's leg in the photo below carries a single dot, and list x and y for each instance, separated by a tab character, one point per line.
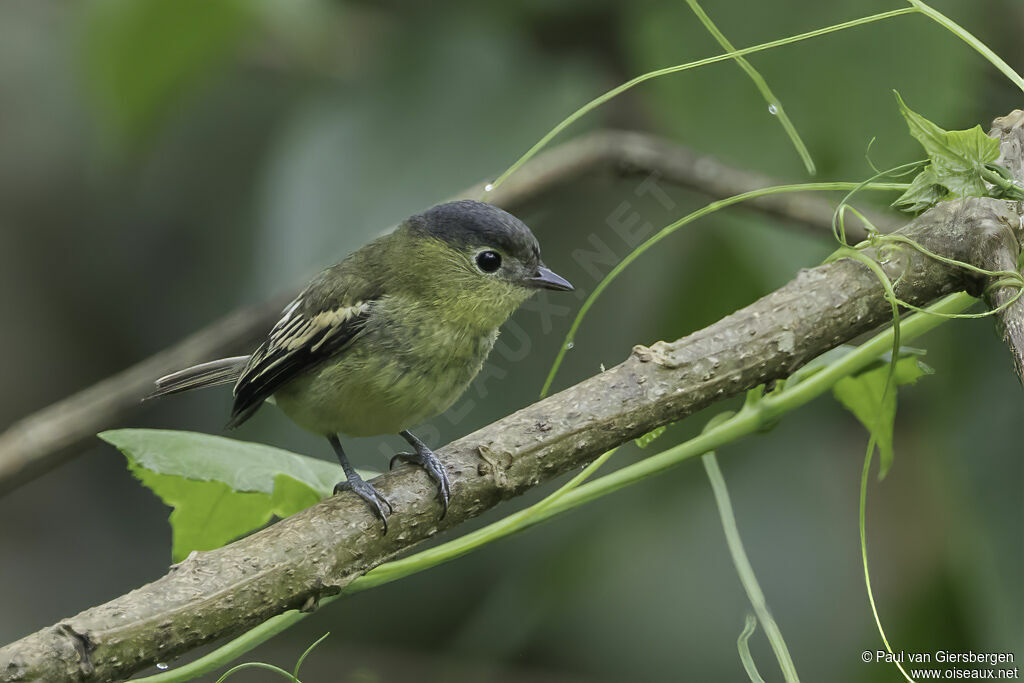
425	458
359	485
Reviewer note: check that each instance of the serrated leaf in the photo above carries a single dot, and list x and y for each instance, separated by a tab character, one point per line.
957	158
864	395
220	488
955	151
924	192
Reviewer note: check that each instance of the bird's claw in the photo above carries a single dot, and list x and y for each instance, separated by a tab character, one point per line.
371	495
434	467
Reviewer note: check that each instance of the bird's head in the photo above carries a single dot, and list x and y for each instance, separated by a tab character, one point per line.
477	260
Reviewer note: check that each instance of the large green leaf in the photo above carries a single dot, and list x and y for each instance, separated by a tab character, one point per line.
220	488
291	495
241	465
206	514
866	397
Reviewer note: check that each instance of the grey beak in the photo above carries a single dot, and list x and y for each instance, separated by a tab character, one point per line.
548	279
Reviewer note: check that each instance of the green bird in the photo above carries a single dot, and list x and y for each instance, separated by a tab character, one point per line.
390	336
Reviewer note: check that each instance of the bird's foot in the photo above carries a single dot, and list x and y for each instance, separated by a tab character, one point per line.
371	495
425	458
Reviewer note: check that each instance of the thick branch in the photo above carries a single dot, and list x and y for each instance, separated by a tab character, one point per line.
46	438
1011	129
318	551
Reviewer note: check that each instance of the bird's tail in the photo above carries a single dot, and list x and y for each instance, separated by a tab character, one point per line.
223	371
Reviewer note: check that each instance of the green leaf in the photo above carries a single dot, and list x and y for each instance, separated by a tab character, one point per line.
291	495
924	192
958	160
220	488
864	395
206	514
243	466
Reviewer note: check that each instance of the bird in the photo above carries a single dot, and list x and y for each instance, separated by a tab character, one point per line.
388	337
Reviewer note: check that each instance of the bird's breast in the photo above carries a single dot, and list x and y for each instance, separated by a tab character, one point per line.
392	377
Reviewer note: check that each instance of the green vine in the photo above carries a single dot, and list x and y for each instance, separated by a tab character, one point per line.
570	337
293	677
733	54
742	563
862	525
955	168
743	645
917	7
774	104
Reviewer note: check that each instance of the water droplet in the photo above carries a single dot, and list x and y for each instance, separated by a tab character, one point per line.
570	346
772	109
488	187
163	667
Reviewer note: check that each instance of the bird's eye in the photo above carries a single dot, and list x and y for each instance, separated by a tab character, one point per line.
488	261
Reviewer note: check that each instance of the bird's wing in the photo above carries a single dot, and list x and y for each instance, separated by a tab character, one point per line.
316	325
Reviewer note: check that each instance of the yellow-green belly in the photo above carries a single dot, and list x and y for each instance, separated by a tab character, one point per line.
376	386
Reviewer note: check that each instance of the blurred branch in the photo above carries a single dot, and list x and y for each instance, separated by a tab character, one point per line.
317	552
50	436
626	153
43	440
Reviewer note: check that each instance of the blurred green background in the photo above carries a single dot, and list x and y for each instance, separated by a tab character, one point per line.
165	161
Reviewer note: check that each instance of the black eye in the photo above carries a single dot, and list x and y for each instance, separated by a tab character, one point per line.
488	261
